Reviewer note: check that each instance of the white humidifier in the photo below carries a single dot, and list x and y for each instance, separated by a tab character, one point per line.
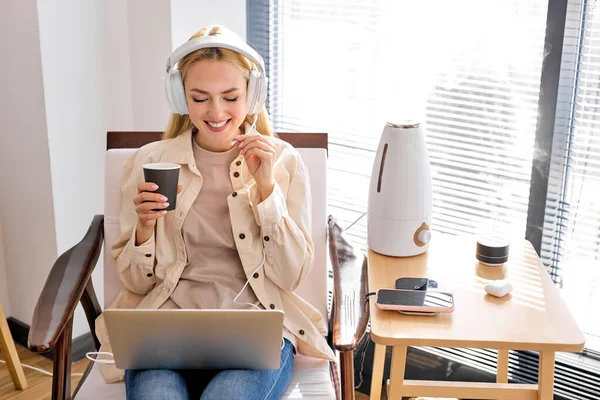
399	211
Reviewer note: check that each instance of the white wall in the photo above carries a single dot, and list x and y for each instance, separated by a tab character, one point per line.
118	107
149	25
74	112
26	205
137	40
189	16
71	41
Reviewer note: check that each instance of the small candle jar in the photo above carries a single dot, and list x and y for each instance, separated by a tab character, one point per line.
492	251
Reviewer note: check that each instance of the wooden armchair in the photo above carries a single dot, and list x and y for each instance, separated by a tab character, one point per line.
69	283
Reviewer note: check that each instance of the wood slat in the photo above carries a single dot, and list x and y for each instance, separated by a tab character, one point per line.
7	347
470	390
502	374
378	365
133	140
546	375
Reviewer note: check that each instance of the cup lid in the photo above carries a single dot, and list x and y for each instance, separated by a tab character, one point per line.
161	166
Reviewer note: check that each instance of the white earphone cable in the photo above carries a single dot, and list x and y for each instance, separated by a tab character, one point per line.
252	128
88	355
262	263
247	282
39	369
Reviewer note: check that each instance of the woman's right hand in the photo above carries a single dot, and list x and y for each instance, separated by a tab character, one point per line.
145	202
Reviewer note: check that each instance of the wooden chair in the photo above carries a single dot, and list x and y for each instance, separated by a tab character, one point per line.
69	282
10	354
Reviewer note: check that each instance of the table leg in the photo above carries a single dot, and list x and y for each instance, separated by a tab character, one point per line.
397	372
502	371
546	376
377	377
10	353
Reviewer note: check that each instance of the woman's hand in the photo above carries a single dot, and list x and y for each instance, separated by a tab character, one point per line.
259	153
145	202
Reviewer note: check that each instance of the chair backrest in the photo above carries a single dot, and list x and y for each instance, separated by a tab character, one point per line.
313	150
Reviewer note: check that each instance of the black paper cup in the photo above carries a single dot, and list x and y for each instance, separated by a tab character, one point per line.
166	176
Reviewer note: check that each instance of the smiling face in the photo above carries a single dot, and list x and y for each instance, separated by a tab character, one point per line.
216	97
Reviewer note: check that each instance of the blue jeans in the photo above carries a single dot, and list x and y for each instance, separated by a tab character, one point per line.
238	384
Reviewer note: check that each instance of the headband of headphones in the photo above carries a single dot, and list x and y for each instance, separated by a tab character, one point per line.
257	83
222	41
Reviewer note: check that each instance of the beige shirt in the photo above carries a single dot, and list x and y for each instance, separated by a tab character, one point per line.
150	273
214	275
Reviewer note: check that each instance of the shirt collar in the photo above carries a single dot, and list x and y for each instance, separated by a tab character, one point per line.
179	150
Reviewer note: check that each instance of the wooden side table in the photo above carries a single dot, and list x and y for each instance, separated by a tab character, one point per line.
532	317
10	353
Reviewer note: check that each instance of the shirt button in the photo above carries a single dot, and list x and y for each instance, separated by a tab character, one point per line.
234	194
236	174
148	275
255	275
272	306
242	236
238	163
148	255
266	238
301	331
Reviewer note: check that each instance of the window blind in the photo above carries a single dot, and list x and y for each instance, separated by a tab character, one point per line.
571	240
346	67
260	35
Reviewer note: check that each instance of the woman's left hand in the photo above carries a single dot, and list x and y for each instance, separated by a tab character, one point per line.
259	154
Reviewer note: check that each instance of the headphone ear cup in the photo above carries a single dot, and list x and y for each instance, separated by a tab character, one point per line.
176	93
169	94
251	92
257	92
261	92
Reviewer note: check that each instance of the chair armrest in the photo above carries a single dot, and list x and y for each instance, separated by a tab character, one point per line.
349	314
64	288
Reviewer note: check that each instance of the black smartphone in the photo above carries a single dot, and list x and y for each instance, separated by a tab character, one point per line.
412	283
415	301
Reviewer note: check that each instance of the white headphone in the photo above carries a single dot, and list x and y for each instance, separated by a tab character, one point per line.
257	83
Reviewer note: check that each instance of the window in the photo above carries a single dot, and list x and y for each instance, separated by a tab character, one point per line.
346	67
473	70
571	244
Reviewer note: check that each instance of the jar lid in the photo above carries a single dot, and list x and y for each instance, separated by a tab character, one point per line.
492	249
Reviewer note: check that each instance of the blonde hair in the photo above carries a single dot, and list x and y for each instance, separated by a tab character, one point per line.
180	123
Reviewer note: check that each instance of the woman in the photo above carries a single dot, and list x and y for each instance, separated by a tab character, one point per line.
239	237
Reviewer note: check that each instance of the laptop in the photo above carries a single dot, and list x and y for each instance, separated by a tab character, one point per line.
195	339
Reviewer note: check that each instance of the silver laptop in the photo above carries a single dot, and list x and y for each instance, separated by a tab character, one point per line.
195	339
